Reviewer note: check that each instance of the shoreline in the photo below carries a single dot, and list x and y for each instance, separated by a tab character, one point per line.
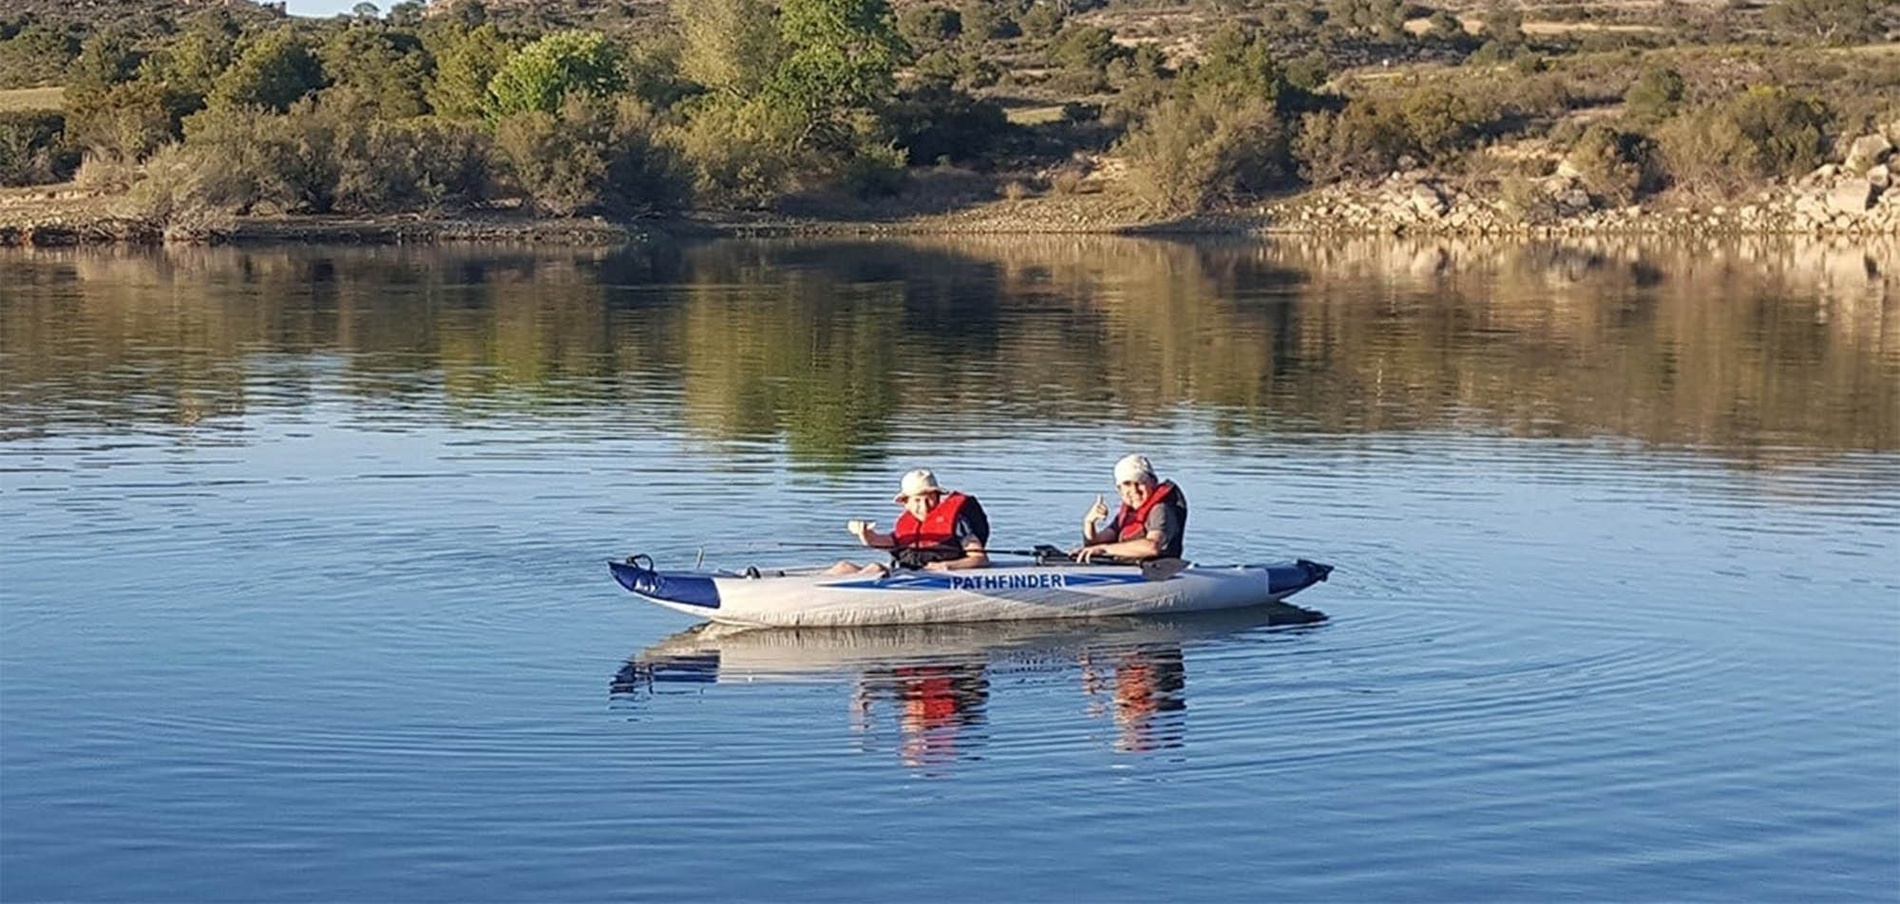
1404	204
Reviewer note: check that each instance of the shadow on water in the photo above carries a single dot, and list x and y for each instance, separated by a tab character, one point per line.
935	682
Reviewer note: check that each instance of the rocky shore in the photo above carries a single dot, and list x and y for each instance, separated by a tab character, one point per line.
1859	196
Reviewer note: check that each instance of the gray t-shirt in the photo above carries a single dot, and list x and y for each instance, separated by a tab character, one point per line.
1166	520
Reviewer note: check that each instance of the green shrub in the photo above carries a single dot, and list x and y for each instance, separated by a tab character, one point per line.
318	157
1655	95
1762	133
127	120
1615	167
33	148
1197	150
930	26
935	121
591	155
742	153
36	56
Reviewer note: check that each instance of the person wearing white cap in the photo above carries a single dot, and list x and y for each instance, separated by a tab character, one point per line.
1150	523
938	530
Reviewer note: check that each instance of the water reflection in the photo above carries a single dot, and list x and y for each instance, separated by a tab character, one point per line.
1759	351
923	692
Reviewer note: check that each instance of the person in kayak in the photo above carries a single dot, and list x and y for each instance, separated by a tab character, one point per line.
938	531
1150	524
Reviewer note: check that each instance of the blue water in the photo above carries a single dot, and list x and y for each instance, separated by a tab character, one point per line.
304	597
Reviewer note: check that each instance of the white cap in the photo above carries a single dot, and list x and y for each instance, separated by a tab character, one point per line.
1133	468
918	481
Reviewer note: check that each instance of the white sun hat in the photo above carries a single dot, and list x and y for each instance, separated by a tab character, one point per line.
1133	468
918	481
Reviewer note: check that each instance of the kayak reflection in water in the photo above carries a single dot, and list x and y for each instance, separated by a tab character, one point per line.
936	703
1146	689
924	691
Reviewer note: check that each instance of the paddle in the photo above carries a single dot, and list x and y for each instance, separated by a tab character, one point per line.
1045	554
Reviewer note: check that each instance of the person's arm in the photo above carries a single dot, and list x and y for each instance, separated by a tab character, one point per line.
974	555
868	536
1090	535
1162	521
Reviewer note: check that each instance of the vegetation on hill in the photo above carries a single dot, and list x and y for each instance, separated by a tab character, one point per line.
623	107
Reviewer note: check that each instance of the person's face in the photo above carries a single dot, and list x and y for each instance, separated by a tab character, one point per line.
1135	492
920	504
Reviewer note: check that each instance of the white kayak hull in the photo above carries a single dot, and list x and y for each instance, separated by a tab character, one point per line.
811	599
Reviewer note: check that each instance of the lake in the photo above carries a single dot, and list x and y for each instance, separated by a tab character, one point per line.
304	593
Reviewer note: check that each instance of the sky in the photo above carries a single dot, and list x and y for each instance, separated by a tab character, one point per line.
329	7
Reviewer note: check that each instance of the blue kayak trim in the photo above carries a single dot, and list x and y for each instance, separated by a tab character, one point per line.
687	589
1301	574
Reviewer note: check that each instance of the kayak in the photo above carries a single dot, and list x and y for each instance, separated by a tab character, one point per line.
1059	589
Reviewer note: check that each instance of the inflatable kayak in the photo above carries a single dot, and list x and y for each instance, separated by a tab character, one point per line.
810	598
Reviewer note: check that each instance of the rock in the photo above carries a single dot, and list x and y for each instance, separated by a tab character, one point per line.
1850	197
1574	199
1427	202
1880	176
1866	152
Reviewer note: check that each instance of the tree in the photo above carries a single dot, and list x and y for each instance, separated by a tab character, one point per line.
465	62
385	68
106	59
732	46
541	75
840	54
365	10
274	72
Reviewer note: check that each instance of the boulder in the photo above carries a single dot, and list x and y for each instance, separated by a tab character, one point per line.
1851	197
1880	176
1427	202
1866	152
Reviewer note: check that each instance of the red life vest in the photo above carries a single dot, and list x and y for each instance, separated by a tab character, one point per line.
1133	524
938	529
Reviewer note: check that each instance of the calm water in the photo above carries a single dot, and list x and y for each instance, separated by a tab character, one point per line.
303	597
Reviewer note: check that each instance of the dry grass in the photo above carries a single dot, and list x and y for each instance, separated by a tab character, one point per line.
1033	116
32	98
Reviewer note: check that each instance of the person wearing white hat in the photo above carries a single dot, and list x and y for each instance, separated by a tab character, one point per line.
1150	523
938	530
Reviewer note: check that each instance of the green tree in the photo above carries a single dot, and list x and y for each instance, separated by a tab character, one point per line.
732	46
465	62
106	59
841	56
275	71
385	67
541	75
